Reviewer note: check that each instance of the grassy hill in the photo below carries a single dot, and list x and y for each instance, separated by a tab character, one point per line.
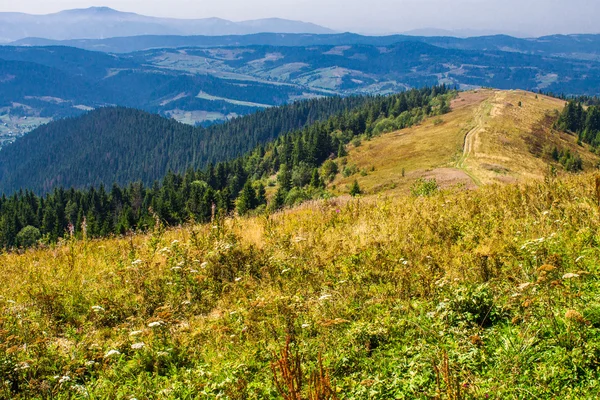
445	294
491	293
490	136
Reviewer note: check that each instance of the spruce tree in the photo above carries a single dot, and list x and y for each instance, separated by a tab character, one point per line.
247	199
261	194
355	189
341	151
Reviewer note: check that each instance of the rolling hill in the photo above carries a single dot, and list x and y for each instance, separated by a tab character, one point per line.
488	293
584	47
207	85
489	137
121	145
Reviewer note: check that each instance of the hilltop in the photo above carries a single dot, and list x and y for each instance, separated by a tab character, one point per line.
490	136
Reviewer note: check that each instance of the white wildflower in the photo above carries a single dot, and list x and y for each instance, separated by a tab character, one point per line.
193	271
97	308
135	333
90	363
325	297
285	270
579	259
524	286
186	303
174	242
305	326
137	346
204	265
65	378
177	268
111	353
238	279
155	324
570	275
136	262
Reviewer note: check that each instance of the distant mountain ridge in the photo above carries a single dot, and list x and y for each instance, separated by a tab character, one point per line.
104	22
582	47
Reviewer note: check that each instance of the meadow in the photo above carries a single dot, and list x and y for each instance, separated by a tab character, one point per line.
447	294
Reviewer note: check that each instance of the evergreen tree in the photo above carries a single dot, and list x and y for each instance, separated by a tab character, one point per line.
341	151
247	199
355	189
261	194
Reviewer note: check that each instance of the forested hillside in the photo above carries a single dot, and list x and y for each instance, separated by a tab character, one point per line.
88	151
119	145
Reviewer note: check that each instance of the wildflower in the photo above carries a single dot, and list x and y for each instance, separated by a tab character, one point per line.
305	326
136	262
325	297
111	353
338	211
90	363
80	389
137	346
65	378
174	242
238	279
155	324
135	333
22	366
570	275
97	308
176	268
204	265
284	271
193	271
579	259
186	303
524	286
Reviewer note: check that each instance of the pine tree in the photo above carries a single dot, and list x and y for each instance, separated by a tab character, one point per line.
261	194
355	189
341	151
247	199
316	181
284	178
278	200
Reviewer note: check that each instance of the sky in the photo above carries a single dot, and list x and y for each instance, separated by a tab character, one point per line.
522	17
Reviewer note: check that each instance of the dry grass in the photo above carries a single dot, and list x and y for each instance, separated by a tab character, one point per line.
487	138
417	297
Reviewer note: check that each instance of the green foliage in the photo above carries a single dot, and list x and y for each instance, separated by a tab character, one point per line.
424	187
355	189
28	236
196	195
481	294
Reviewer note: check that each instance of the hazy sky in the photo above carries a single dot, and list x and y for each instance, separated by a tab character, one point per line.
533	17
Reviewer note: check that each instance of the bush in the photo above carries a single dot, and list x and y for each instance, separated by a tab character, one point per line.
424	187
28	236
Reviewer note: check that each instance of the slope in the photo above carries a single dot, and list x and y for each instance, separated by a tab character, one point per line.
122	145
490	136
491	293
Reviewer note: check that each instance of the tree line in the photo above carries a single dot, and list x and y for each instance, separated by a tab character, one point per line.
297	165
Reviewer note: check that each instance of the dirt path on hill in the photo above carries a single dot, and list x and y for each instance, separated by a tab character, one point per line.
486	110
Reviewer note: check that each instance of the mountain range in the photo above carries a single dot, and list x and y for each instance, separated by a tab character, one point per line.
104	22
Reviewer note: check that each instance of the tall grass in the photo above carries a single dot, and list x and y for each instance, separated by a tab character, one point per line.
491	293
